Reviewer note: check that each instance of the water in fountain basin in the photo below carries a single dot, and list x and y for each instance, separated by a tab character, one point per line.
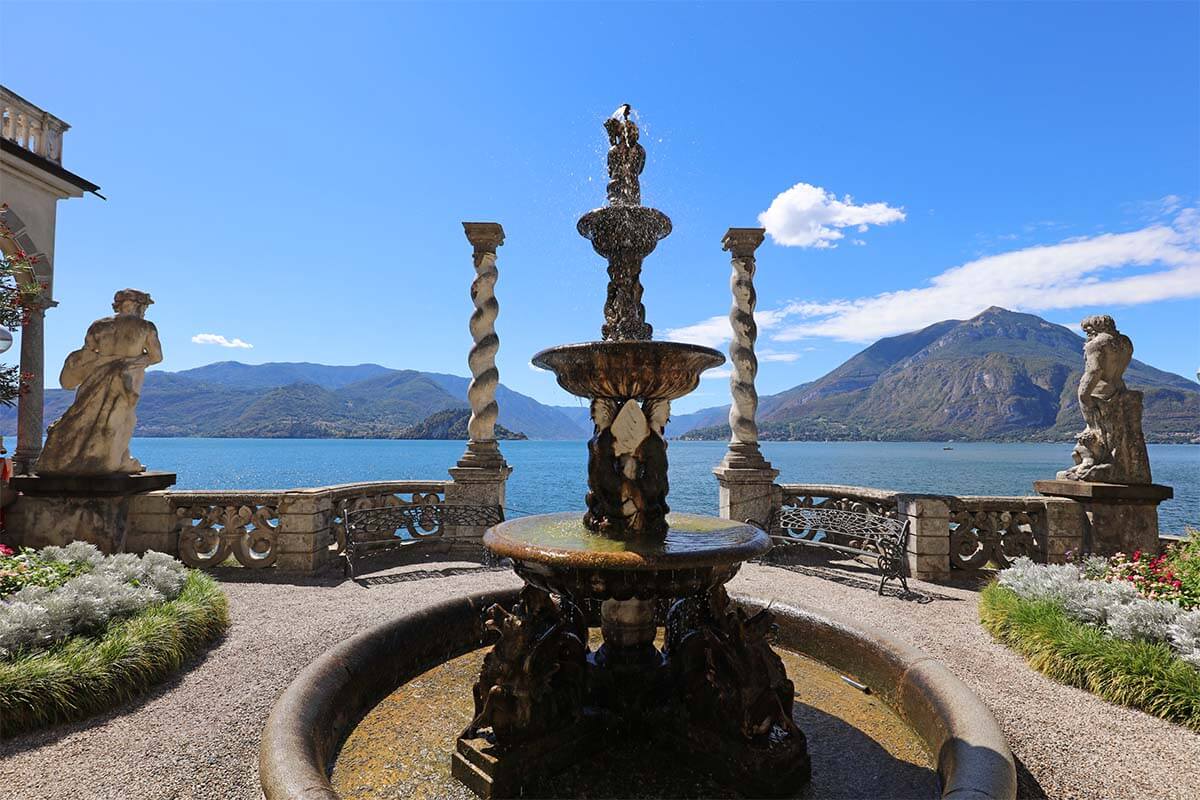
398	750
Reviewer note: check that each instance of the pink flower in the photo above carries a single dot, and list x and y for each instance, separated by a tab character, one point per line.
5	550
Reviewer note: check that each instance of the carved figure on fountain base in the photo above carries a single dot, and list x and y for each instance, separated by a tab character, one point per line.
734	696
532	681
627	469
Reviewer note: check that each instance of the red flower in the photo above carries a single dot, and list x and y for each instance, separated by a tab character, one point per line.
5	550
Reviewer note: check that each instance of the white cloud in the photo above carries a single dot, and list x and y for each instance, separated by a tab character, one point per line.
1158	262
712	332
809	216
715	373
216	338
715	331
775	356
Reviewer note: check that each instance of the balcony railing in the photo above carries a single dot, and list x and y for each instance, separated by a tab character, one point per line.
38	131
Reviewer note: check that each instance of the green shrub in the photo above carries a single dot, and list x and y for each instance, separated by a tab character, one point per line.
1142	675
84	675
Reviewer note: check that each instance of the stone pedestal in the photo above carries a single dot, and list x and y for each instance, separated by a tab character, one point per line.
747	494
1119	518
475	486
57	510
928	547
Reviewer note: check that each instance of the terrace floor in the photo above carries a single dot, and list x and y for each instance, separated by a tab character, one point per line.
197	736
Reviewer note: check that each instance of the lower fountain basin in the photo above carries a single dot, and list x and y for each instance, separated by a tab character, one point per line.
559	554
625	369
314	716
398	749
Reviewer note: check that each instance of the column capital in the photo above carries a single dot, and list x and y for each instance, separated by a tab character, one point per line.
39	303
484	236
742	242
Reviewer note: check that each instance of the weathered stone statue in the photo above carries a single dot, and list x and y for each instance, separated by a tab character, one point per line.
626	159
1111	448
107	373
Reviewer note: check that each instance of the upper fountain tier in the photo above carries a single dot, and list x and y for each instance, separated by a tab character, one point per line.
627	364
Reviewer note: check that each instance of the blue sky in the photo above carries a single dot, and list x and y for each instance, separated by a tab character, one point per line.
294	176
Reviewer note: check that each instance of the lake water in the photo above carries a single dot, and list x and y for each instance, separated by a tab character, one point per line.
549	476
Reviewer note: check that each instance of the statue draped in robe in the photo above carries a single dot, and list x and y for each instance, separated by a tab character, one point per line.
107	373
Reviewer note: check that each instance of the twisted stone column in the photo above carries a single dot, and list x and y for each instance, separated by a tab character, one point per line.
747	480
481	474
482	450
743	443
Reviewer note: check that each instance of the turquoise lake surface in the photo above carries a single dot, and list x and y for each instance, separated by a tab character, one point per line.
549	476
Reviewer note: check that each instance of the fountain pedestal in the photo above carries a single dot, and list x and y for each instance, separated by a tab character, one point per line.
715	693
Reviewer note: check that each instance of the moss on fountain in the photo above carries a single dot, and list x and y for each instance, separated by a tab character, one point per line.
399	748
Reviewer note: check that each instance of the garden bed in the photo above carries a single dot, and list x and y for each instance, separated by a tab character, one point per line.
81	633
1124	629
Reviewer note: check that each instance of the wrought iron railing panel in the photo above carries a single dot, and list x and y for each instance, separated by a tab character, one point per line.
857	532
859	499
358	497
374	532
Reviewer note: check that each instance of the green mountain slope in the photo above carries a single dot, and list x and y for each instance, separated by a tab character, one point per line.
450	424
998	376
283	400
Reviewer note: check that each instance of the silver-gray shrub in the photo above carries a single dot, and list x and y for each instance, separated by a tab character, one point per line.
1040	581
1114	606
1185	636
1143	620
36	617
1093	601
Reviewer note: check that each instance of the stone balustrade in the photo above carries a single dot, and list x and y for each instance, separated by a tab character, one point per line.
297	530
25	124
961	535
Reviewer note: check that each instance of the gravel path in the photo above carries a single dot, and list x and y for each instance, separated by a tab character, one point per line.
197	736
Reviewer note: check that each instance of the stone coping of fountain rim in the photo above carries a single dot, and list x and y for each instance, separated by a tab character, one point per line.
316	712
562	541
629	368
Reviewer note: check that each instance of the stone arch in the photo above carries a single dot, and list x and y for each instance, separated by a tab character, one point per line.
20	232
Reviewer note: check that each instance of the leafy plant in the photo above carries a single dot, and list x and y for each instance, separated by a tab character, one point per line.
18	290
27	568
1114	604
84	675
1140	674
96	589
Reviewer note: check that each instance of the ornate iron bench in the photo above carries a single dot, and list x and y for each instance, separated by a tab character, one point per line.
372	533
878	537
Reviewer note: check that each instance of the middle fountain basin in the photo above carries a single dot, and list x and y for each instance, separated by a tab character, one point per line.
557	553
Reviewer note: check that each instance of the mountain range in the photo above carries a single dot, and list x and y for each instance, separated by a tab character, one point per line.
309	401
1000	376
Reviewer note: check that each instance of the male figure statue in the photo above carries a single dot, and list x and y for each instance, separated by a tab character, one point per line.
1111	447
92	437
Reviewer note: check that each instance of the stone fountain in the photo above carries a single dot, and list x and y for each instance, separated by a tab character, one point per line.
711	690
